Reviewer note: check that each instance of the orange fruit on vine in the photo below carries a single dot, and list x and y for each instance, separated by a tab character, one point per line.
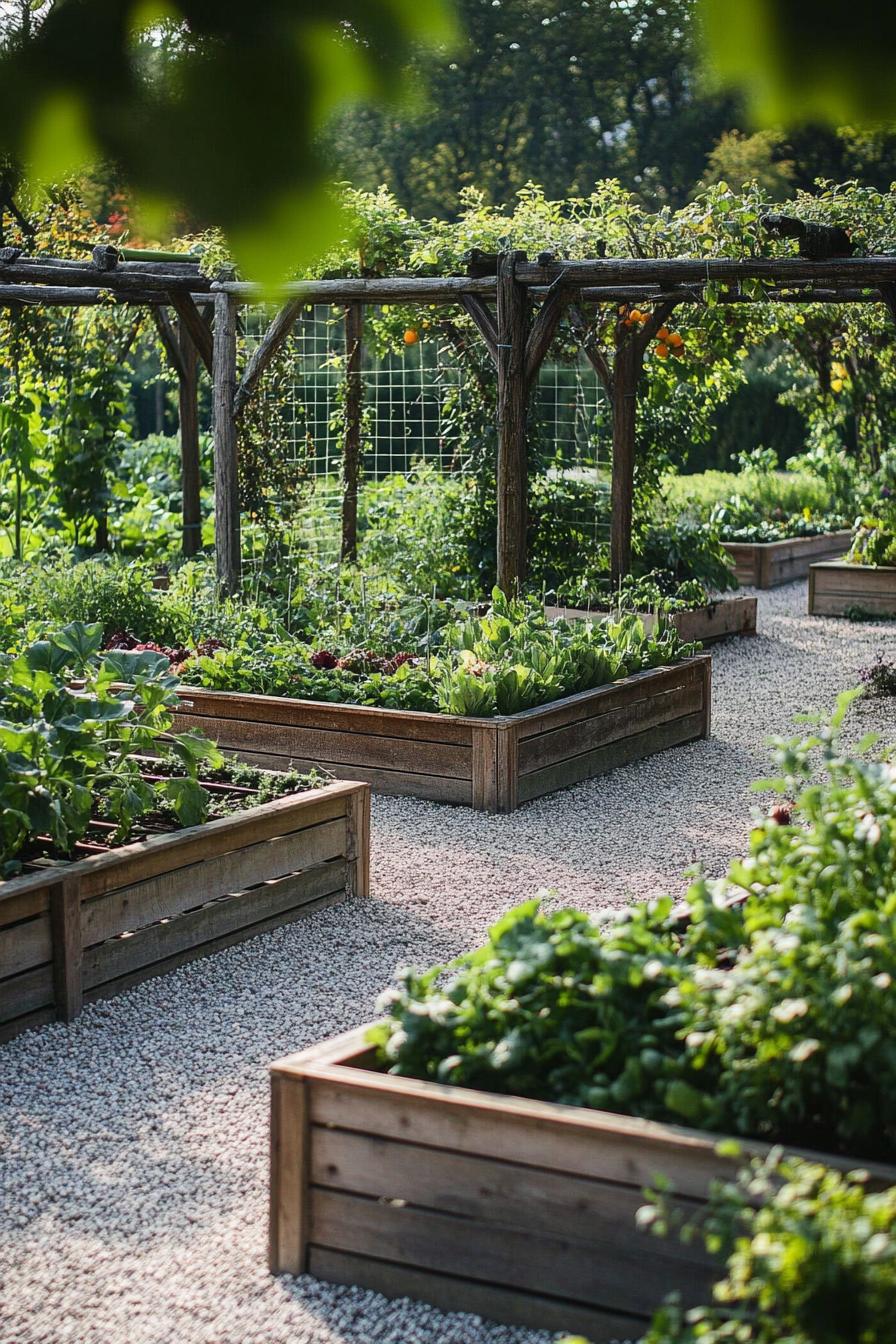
662	351
663	335
675	338
411	337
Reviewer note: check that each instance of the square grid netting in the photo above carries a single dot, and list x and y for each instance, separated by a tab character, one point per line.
415	435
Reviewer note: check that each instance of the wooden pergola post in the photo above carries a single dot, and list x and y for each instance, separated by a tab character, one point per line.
513	399
188	412
227	500
351	448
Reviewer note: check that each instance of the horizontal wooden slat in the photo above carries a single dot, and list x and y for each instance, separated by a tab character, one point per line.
834	588
398	783
620	1273
39	1018
573	740
171	894
161	853
352	747
219	919
771	563
567	1138
574	770
517	1306
25	945
109	988
286	712
587	704
20	994
487	1190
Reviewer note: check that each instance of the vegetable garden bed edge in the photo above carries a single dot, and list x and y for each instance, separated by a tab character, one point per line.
768	564
88	929
518	1210
835	587
705	625
490	764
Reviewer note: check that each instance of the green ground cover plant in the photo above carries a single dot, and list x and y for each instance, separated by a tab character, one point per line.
74	748
768	1012
810	1258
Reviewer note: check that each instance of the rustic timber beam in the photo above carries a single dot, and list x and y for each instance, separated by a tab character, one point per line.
543	329
196	325
513	399
188	422
264	352
227	500
169	338
390	289
484	322
780	271
58	296
116	281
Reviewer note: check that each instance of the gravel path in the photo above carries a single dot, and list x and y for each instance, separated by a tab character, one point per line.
134	1143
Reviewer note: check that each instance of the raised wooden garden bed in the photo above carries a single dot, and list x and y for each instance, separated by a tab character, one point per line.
85	930
492	764
767	564
715	621
520	1211
835	588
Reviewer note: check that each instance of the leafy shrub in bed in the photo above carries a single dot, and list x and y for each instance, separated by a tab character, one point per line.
810	1259
770	1012
69	738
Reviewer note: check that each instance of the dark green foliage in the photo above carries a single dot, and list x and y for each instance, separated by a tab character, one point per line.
70	740
773	1016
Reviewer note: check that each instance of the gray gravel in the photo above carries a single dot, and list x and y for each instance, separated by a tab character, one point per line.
134	1142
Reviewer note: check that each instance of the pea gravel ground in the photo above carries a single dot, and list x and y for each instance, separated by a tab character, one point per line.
134	1143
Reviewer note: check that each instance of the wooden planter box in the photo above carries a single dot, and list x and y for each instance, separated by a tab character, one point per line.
88	929
834	587
767	564
709	624
491	764
520	1211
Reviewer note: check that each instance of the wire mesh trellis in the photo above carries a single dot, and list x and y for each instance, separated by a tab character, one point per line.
412	429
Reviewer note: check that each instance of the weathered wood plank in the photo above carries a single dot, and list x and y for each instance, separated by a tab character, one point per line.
770	564
573	740
835	588
485	769
287	1247
487	1190
517	1306
621	1272
25	993
394	783
67	947
185	888
284	712
202	928
109	988
626	691
25	945
358	841
329	746
601	760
